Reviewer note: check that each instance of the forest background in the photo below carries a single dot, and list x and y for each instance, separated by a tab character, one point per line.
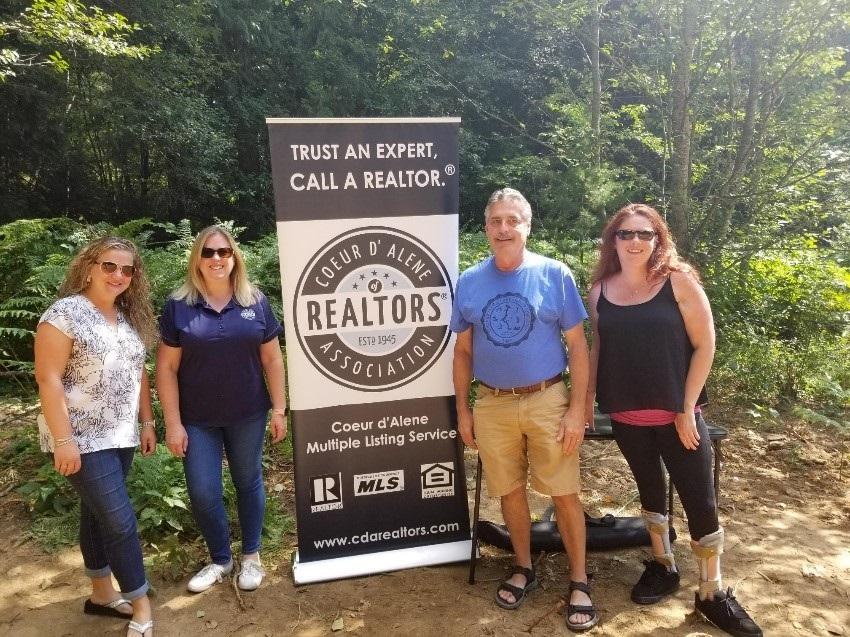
147	119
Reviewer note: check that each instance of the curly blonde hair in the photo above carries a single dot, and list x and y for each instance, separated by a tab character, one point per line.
193	289
134	302
664	259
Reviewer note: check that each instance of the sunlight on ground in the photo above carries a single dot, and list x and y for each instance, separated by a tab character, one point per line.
843	560
182	602
311	632
31	578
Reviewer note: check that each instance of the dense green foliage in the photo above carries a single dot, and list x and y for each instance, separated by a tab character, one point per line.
147	119
782	328
160	113
157	487
781	315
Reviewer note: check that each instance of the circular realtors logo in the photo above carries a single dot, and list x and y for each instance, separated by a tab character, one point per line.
507	319
372	308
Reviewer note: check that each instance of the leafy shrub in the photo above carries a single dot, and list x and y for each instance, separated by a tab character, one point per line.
49	493
38	250
263	263
157	487
782	321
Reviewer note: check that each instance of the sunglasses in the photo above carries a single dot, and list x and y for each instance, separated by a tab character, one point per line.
223	253
643	235
107	267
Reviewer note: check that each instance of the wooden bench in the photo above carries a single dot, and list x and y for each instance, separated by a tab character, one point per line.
602	431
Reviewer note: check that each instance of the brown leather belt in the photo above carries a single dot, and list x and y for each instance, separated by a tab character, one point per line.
528	389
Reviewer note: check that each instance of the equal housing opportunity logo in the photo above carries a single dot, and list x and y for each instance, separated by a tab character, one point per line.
372	308
438	479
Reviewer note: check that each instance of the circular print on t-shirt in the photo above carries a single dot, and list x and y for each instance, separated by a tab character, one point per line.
507	319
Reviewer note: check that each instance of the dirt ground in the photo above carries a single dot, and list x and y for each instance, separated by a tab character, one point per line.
785	504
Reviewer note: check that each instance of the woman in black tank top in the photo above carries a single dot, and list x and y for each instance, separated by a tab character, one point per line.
653	346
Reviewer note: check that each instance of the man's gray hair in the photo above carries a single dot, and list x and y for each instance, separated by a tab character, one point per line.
513	196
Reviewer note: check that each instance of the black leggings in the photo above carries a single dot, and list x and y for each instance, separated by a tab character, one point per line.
645	447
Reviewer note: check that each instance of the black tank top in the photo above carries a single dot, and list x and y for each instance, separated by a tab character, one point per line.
644	355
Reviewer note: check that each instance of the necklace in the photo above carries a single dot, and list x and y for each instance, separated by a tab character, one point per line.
639	289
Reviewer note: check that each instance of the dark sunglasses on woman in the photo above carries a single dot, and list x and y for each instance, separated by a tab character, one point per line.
108	267
628	235
223	253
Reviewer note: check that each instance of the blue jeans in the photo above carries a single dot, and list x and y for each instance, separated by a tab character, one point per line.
243	444
109	540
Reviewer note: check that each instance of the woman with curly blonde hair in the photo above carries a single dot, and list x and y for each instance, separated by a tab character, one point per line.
89	364
219	371
653	346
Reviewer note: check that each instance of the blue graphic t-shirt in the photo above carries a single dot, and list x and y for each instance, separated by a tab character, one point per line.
517	319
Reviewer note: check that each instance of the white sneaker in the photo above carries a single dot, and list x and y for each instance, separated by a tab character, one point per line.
251	575
209	575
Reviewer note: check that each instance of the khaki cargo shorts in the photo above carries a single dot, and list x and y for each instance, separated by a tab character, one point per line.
513	432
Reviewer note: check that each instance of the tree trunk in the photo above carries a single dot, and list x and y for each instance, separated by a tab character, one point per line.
596	78
681	128
744	150
144	176
725	201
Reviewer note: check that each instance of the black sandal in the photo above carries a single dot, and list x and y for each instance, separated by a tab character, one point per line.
518	593
108	610
576	609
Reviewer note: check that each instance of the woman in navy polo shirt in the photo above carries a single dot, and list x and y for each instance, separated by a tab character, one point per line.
219	371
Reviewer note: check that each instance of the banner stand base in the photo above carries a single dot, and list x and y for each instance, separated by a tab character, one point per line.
381	562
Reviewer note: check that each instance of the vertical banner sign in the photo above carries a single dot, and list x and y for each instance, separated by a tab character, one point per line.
367	222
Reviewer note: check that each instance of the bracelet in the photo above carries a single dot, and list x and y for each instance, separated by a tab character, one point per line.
281	412
62	442
148	423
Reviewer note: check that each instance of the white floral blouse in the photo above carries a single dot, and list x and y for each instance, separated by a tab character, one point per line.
102	379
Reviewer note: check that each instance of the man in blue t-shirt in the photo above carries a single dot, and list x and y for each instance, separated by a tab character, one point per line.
510	313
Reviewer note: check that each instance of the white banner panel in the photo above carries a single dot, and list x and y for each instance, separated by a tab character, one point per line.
368	233
319	387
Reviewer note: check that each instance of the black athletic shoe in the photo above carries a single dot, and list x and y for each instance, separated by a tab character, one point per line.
724	611
654	584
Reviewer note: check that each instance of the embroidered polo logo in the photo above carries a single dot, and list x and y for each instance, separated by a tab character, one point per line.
507	319
248	314
372	308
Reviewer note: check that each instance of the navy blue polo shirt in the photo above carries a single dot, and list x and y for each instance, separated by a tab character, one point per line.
220	377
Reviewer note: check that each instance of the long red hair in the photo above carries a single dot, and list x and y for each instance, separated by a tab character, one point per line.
664	258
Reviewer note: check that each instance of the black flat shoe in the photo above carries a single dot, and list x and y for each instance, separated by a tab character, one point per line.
107	610
724	611
655	583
